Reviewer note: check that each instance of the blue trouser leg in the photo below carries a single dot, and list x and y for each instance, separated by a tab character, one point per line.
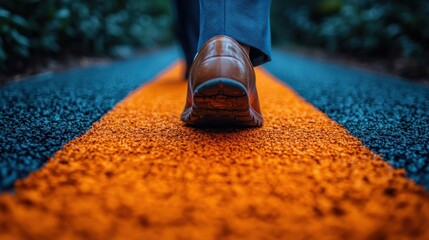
247	21
186	15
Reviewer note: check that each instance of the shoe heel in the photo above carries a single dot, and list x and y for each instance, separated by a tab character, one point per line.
221	94
221	102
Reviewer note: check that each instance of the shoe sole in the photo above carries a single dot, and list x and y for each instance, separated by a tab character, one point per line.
221	102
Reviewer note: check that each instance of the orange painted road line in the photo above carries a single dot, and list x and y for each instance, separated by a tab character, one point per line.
139	173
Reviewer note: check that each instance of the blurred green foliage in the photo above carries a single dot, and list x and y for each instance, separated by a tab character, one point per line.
100	27
398	28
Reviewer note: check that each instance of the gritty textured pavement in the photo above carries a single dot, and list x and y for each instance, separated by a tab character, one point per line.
139	173
390	116
39	115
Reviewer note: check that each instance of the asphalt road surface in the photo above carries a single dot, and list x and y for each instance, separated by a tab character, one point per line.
343	154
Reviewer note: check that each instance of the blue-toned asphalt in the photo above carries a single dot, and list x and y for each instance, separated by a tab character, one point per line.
389	115
40	114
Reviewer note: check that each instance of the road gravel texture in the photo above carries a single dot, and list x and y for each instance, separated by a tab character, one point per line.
140	173
41	114
389	115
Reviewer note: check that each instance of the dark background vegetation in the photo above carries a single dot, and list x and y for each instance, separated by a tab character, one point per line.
34	30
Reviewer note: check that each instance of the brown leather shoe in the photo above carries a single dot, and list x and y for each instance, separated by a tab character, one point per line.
221	87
